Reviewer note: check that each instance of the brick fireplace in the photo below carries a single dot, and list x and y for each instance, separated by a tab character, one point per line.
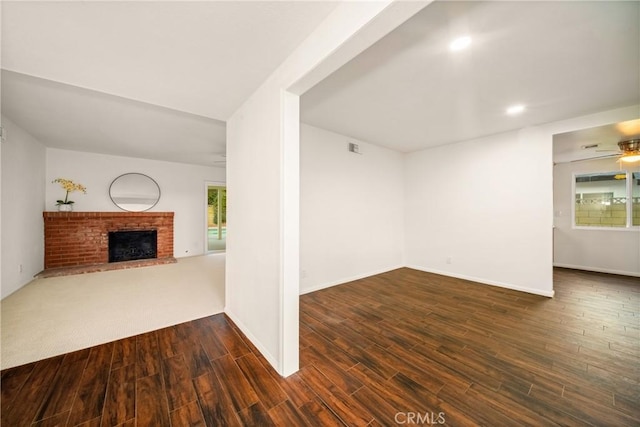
77	239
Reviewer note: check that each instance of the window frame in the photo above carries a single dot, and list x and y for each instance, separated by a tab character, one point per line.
629	203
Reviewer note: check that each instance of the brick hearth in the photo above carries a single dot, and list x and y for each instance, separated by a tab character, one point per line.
77	239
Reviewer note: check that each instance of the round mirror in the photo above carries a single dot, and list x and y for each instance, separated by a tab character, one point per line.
134	192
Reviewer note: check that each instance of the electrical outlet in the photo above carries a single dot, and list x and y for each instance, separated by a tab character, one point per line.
20	268
449	260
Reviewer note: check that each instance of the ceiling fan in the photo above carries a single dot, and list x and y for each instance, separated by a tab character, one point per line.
628	150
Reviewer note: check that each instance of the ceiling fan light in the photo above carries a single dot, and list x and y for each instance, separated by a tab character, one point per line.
630	157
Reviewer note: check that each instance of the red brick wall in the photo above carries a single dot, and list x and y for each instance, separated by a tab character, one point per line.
81	238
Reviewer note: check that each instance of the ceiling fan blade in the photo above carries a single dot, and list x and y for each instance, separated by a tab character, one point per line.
605	156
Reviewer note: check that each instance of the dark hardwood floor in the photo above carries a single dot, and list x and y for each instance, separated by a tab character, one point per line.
400	348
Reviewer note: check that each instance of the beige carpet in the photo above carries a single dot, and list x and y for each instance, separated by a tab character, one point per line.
57	315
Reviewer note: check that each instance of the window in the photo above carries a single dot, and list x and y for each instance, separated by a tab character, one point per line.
607	200
635	193
216	218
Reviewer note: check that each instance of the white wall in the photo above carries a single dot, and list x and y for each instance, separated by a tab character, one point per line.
181	187
487	205
351	209
253	261
610	251
482	210
23	192
262	273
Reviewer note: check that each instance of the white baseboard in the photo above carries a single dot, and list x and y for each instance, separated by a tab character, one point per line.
597	269
255	341
548	294
347	279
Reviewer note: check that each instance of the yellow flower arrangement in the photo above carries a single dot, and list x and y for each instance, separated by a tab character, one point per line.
70	187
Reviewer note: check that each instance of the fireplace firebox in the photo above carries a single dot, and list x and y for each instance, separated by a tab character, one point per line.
133	245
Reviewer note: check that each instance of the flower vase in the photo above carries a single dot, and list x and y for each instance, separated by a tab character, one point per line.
65	207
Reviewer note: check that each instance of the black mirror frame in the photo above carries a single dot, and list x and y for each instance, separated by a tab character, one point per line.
140	174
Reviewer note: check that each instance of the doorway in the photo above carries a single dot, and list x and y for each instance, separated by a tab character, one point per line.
216	227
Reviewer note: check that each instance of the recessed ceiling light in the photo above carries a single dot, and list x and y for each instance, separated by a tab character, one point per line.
515	109
460	43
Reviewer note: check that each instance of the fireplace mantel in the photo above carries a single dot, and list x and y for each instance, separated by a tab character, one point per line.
76	239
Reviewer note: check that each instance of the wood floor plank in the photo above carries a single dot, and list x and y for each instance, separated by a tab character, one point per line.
354	338
63	391
152	408
177	382
120	401
59	420
12	381
168	342
586	407
124	353
188	415
90	398
382	411
334	372
234	344
147	355
627	406
507	407
190	344
269	392
30	396
95	422
474	407
211	344
256	415
286	414
234	382
329	349
196	359
370	357
317	413
76	356
375	332
547	409
424	370
406	395
343	405
216	404
295	389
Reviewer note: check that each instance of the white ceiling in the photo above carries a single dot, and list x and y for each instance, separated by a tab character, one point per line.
596	142
143	79
203	58
409	92
72	118
158	79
